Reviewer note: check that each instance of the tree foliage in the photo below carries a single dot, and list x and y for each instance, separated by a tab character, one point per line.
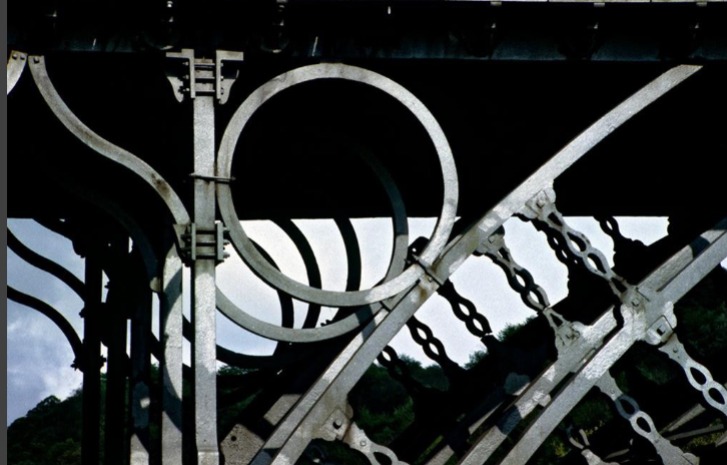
51	432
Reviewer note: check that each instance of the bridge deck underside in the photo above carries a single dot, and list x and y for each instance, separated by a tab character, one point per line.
298	155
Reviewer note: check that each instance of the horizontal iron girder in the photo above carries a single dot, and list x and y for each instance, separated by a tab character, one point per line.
620	30
502	120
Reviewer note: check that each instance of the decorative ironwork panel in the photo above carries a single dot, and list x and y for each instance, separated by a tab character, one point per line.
515	404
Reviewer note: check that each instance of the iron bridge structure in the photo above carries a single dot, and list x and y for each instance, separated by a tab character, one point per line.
149	133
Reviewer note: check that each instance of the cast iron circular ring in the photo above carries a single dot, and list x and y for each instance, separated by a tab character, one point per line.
244	246
360	315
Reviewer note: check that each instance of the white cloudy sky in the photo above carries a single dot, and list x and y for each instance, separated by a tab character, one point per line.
39	358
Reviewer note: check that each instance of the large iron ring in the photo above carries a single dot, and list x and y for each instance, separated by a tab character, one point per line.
257	262
360	315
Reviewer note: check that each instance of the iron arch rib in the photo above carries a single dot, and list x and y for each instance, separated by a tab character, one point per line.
16	65
45	264
101	145
55	316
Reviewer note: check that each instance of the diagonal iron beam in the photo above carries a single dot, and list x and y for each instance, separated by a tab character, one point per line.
637	326
312	411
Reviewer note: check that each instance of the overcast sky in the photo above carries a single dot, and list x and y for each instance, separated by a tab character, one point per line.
39	357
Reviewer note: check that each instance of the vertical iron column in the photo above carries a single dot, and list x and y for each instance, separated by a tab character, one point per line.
170	331
116	369
90	446
140	395
114	431
203	282
202	80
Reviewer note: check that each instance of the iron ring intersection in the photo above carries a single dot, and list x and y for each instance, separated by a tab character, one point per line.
247	250
360	315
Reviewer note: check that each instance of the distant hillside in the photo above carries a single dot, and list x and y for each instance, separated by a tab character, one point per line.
50	434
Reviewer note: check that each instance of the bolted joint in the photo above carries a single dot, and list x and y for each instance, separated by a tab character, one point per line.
220	243
540	205
659	332
413	258
664	322
492	243
567	335
336	426
635	299
429	272
192	76
206	244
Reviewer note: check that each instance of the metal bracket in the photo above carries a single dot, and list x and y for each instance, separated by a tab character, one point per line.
225	77
15	67
217	179
635	299
204	243
203	76
659	332
340	426
537	206
566	332
493	243
427	267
